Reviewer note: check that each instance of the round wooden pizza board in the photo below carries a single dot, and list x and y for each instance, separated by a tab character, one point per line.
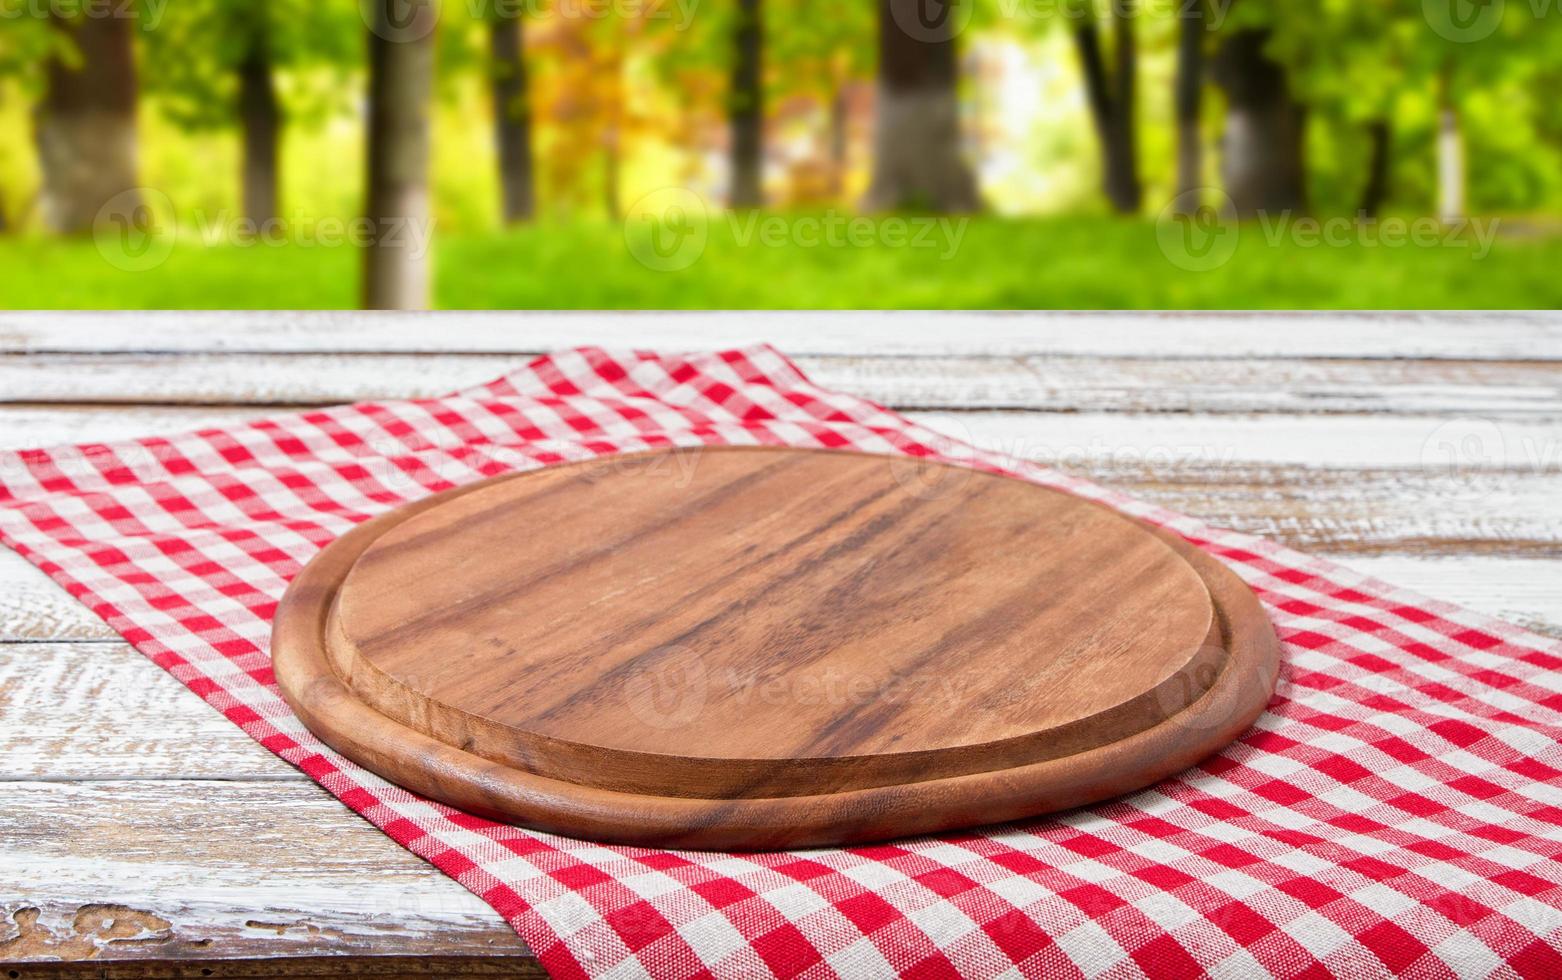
754	648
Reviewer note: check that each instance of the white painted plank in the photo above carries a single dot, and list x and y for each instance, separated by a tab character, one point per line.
1231	385
1524	591
33	607
234	868
33	427
1460	335
1358	484
1452	445
1379	485
1084	439
101	710
1065	384
1502	519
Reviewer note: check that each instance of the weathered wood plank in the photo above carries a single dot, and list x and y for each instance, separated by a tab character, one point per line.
213	869
1433	444
1514	538
1524	591
101	710
1524	444
1057	384
34	426
33	607
195	965
1362	485
1461	335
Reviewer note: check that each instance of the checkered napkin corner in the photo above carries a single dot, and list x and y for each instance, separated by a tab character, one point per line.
1395	812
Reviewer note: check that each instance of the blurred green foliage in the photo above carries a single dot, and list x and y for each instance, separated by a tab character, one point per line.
648	79
1074	262
191	52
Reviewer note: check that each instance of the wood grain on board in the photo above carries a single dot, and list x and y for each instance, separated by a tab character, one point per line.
1317	436
757	648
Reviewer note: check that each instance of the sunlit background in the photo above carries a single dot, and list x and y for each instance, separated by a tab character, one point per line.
1163	153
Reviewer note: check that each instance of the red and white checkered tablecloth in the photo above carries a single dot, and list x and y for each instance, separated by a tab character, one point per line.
1398	810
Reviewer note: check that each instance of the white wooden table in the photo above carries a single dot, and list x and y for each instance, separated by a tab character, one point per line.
1424	449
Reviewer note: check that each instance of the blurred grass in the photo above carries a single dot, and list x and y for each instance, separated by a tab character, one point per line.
1068	262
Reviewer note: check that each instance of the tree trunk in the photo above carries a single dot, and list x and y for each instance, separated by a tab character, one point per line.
745	106
613	136
1263	146
838	141
261	119
1125	191
1111	99
1450	153
401	79
917	159
1189	105
512	119
86	126
1376	191
612	166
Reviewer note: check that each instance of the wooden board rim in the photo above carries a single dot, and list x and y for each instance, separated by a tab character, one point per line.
425	764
